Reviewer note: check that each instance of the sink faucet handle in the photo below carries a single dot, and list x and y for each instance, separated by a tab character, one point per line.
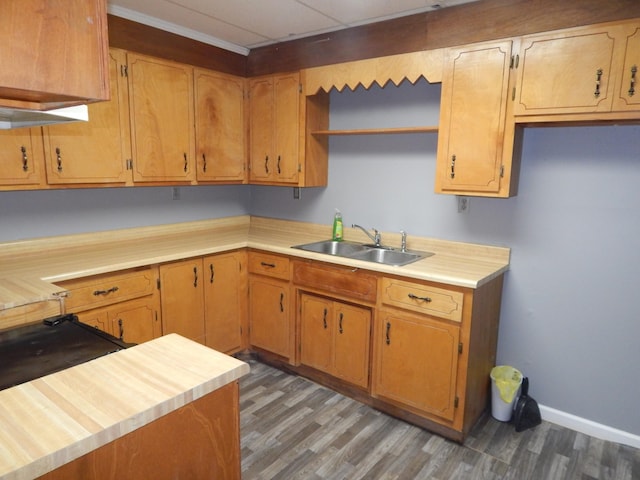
403	243
376	235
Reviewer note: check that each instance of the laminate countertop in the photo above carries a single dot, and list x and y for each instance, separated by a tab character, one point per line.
55	419
30	269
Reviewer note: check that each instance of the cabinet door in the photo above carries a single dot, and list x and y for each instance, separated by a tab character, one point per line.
629	93
416	362
261	119
220	127
96	151
351	347
316	332
269	315
567	72
161	108
182	299
135	321
223	301
97	318
21	156
286	112
472	119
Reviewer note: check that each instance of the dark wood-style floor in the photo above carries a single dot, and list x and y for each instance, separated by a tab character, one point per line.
293	428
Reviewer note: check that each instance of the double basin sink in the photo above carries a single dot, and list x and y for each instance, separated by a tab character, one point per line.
368	253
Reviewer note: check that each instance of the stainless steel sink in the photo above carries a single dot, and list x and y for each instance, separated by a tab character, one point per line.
388	257
331	247
367	253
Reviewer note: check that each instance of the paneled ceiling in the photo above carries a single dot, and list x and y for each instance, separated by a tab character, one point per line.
239	25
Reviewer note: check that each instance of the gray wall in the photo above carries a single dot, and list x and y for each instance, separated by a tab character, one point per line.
570	320
46	213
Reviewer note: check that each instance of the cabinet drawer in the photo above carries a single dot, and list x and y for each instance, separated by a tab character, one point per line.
268	264
335	279
107	289
438	302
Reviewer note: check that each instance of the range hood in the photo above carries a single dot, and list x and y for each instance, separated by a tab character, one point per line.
16	118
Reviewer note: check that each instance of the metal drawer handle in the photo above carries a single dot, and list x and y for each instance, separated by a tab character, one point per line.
340	324
324	319
204	163
121	329
632	87
598	80
453	166
387	334
186	162
59	159
416	297
266	164
213	273
25	159
195	276
106	292
270	265
281	304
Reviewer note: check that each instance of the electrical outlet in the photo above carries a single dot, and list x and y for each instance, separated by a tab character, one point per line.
175	194
463	204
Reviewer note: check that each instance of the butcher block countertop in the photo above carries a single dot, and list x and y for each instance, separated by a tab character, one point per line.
55	419
29	269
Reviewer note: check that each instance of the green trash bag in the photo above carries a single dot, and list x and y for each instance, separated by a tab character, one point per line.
508	381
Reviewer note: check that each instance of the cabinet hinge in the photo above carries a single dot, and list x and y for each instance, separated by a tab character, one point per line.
129	164
456	401
299	88
299	167
460	348
515	60
124	70
513	94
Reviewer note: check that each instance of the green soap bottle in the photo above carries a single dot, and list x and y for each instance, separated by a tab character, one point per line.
337	226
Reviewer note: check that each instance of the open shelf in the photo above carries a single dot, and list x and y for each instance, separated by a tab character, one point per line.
377	131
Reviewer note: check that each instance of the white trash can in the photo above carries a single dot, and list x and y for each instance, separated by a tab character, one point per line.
505	388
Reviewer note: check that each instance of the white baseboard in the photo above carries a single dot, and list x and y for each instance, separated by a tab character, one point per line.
588	427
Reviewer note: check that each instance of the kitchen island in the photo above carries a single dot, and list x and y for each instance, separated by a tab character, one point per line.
153	408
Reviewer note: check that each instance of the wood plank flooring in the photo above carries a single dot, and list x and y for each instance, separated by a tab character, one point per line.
293	428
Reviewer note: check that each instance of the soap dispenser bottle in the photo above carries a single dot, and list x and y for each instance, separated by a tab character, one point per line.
337	226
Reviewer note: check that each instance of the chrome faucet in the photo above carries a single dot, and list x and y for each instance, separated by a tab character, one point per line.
375	238
403	242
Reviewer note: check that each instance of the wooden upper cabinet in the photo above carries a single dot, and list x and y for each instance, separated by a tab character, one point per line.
587	71
568	72
21	158
161	111
96	151
54	53
471	138
221	153
274	129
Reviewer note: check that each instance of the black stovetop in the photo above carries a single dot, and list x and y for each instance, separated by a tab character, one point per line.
33	351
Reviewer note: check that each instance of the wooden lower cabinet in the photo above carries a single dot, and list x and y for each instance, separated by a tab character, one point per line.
225	295
134	321
203	299
416	362
199	440
335	338
269	314
270	304
123	304
182	297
